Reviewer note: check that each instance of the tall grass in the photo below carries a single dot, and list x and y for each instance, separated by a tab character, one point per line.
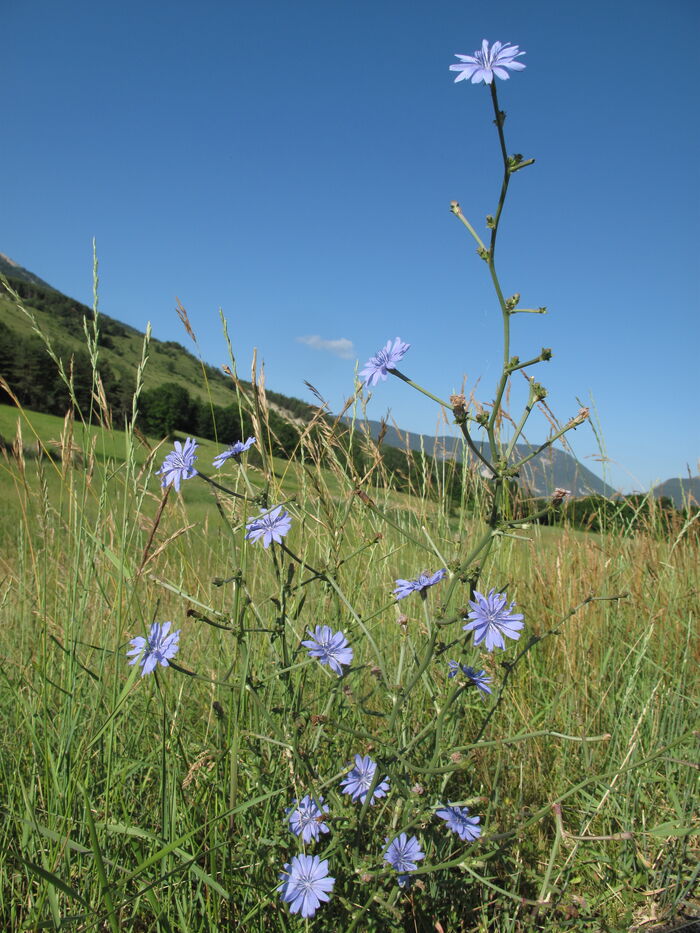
159	803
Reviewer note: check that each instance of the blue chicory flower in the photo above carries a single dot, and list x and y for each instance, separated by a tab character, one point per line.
329	647
491	620
458	821
235	450
479	679
359	779
271	525
178	464
156	649
403	854
485	63
404	588
305	883
306	818
377	367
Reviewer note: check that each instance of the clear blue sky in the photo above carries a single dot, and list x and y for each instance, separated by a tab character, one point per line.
293	164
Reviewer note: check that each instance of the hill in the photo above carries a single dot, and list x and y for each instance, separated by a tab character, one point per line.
180	391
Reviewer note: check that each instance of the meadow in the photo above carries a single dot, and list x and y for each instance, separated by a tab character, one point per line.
246	693
159	802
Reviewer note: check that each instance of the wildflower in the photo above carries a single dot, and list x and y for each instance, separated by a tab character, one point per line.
404	588
485	63
305	883
466	827
235	450
491	620
270	525
156	649
377	367
478	679
329	647
360	778
306	819
178	464
403	854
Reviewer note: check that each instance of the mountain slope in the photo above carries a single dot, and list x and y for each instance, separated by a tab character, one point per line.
12	269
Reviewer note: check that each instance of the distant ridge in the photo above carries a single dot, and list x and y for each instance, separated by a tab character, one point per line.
13	269
553	468
681	491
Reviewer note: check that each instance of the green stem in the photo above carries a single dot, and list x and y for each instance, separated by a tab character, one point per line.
545	445
229	492
472	446
422	667
521	424
457	211
414	385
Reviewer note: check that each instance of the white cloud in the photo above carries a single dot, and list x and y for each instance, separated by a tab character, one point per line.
341	347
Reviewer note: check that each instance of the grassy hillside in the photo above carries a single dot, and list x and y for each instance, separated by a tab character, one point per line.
61	319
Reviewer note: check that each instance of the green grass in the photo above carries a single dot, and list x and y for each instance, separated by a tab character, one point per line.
159	803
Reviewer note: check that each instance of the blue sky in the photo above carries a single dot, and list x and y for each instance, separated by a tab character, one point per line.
293	164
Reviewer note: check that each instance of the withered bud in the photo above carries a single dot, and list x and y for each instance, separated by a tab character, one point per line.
317	720
456	757
559	495
582	415
402	620
376	672
418	789
459	407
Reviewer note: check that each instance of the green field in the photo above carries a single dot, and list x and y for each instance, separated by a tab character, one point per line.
158	803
